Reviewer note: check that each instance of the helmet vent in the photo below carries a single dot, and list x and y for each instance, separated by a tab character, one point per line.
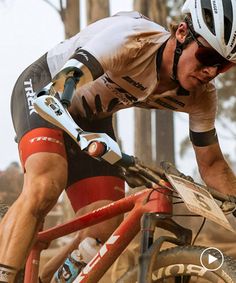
207	15
228	19
234	50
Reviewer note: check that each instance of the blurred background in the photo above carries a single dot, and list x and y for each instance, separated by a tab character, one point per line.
28	29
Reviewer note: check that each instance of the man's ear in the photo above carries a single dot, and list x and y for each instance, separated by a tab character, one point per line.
181	32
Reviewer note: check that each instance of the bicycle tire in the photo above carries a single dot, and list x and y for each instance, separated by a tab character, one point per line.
176	262
20	275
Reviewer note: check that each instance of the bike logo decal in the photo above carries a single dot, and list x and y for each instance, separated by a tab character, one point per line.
104	249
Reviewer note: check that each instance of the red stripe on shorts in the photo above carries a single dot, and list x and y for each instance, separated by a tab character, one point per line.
92	189
41	140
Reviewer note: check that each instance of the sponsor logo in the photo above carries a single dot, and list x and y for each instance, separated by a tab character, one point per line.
175	269
6	275
30	95
233	40
83	54
104	249
48	139
134	83
214	7
123	95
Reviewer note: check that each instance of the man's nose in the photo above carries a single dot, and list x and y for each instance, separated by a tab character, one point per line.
211	71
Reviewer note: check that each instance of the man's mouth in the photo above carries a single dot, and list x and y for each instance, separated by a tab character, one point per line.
202	81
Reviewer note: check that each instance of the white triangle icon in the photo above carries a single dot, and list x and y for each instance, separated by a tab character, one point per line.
211	259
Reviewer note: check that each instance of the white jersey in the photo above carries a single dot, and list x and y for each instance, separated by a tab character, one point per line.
121	53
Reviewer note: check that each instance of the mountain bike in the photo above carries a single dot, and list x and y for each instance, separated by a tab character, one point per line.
148	209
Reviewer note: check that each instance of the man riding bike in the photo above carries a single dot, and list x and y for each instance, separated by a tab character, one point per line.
122	61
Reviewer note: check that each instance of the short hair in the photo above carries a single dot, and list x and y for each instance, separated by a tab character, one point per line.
173	26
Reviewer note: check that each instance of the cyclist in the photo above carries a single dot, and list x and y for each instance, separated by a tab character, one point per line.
126	60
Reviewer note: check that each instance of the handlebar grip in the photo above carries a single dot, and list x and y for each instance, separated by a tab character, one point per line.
126	160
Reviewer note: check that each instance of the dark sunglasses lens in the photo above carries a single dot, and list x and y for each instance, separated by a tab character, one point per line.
209	57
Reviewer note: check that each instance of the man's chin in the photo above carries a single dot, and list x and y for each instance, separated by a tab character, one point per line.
191	85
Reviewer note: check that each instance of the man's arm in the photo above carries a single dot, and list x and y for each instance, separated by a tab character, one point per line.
214	169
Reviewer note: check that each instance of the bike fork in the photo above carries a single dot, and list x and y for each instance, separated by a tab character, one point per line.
150	249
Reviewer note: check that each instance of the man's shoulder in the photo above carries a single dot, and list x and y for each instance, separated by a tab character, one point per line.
138	20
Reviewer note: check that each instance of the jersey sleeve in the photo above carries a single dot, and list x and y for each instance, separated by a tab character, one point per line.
121	47
202	117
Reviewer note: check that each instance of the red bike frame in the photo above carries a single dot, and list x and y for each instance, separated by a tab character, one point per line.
138	204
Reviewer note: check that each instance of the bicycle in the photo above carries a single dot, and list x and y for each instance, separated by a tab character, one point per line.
154	207
151	206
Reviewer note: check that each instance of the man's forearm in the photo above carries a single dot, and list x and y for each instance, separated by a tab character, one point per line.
220	177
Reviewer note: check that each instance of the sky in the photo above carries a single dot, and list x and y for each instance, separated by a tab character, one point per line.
30	28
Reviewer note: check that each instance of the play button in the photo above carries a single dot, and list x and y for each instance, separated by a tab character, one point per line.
211	258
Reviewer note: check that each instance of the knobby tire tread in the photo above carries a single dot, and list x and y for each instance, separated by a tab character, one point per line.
186	255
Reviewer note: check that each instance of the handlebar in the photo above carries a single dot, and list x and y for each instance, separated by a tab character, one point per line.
96	149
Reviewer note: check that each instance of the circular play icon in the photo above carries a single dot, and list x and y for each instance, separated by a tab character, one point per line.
211	258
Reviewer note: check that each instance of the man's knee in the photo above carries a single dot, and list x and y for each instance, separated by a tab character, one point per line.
41	195
44	180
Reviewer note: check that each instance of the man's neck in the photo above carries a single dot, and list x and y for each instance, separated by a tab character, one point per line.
166	83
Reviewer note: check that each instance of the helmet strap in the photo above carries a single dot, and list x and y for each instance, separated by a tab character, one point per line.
178	52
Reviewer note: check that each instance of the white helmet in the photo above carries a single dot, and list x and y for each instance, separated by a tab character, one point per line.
215	21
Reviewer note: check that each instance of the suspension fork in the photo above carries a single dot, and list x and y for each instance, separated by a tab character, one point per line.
149	249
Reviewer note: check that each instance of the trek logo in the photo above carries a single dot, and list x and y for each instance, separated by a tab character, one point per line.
134	83
30	95
104	249
48	139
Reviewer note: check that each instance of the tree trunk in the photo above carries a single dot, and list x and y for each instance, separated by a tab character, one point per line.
96	10
71	18
142	131
157	11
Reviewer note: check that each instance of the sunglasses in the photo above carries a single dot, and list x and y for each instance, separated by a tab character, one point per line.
210	57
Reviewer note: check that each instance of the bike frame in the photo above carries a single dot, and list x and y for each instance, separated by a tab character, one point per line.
145	201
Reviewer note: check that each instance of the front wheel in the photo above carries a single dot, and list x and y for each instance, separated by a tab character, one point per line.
182	264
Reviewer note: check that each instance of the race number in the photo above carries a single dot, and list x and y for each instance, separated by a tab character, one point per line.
198	200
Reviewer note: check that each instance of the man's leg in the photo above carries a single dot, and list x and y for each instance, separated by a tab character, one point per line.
101	231
44	180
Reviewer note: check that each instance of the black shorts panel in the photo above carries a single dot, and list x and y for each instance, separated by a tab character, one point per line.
24	117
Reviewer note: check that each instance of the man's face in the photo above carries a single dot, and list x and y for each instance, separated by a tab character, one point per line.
191	73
